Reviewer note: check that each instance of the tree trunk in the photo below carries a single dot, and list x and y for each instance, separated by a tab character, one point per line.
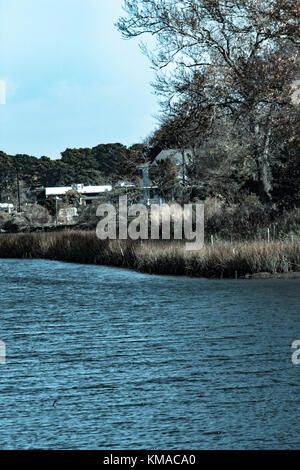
262	153
264	170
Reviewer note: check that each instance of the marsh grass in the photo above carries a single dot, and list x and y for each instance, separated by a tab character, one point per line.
222	260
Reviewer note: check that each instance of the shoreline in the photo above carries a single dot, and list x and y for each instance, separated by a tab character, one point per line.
224	260
291	276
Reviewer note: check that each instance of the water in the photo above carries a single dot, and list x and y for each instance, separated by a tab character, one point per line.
104	358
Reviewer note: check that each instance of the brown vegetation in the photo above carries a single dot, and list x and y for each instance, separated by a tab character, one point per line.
222	260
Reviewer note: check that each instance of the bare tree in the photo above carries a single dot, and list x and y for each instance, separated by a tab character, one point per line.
234	58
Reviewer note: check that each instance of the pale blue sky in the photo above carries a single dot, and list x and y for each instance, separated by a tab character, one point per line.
71	80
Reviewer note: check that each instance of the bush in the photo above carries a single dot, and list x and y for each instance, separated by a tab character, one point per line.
37	215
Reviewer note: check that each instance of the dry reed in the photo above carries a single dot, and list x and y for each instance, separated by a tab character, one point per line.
223	260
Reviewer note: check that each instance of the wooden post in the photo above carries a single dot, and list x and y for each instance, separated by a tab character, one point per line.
18	190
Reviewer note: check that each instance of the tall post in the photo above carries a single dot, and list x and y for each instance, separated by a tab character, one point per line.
18	188
56	215
183	167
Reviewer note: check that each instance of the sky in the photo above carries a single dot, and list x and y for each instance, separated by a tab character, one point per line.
68	79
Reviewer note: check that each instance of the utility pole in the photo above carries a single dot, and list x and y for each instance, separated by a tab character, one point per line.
18	187
56	209
183	166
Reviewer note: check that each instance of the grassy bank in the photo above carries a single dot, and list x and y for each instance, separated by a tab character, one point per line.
223	260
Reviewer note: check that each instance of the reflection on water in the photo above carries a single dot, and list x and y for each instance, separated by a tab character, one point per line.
103	358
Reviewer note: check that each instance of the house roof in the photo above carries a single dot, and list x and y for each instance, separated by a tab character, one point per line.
124	184
173	154
96	189
59	191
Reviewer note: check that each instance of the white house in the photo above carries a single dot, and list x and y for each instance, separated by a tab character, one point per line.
88	193
80	188
180	158
6	207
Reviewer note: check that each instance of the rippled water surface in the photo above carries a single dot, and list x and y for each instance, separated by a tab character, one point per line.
104	358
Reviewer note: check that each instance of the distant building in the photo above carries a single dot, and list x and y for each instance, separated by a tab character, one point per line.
124	184
181	158
145	191
149	190
6	207
88	193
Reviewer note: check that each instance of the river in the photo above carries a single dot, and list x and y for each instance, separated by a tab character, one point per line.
105	358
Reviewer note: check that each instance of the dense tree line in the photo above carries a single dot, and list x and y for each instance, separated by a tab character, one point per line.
103	164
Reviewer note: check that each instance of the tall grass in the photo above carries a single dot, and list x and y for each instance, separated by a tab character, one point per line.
222	260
